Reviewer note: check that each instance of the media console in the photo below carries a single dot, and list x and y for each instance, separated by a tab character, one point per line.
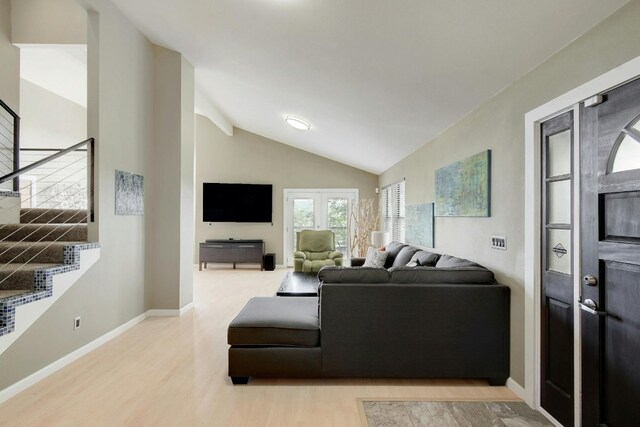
232	252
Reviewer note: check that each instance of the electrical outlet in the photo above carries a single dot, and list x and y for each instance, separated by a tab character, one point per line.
76	323
499	242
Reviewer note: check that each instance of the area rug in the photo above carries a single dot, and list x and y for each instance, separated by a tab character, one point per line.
455	414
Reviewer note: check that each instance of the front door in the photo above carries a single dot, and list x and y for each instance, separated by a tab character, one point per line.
556	329
610	259
317	210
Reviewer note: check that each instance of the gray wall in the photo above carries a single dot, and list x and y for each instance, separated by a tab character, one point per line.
170	211
48	22
121	117
499	125
249	158
10	55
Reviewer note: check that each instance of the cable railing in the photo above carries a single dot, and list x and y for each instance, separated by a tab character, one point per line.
9	144
56	197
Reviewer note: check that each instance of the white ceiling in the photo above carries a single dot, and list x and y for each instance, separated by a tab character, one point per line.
375	78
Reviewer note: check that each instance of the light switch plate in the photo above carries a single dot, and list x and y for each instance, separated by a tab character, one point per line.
499	242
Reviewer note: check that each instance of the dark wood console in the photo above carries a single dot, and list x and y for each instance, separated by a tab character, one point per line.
232	252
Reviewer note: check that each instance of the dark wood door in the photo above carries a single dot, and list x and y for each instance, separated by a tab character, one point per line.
610	259
557	379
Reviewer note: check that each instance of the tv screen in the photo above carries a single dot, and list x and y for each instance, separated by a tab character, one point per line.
236	202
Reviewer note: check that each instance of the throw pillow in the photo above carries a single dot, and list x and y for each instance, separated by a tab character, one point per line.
425	258
404	256
393	249
375	258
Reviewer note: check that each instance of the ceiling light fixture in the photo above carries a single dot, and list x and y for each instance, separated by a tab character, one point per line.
297	122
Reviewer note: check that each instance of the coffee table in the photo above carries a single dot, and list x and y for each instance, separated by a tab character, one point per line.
298	284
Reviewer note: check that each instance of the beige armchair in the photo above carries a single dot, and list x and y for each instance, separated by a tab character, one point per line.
314	250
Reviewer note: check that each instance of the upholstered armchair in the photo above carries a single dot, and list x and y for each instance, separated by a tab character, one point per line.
314	250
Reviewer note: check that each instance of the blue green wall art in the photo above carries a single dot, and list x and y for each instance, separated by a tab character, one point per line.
419	224
464	188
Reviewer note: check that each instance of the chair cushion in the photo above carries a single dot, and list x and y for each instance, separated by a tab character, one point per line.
404	256
314	266
353	275
448	276
316	241
393	249
277	322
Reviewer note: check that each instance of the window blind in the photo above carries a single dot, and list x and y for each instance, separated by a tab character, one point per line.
393	210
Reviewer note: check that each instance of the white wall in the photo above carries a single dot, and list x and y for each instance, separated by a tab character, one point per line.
499	125
10	55
49	120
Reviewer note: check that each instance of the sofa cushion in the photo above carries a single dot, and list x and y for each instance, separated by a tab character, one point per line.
404	256
277	321
448	261
423	258
453	276
375	258
353	275
393	248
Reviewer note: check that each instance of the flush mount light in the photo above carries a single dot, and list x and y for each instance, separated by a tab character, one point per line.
297	122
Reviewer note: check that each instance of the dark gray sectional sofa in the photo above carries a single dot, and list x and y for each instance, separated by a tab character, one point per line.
440	317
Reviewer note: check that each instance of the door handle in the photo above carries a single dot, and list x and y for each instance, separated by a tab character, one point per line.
590	306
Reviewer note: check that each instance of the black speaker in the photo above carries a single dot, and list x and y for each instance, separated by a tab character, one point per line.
270	261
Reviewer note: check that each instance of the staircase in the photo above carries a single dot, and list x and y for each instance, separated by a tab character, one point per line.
45	243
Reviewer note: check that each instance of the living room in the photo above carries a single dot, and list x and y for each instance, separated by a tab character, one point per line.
152	349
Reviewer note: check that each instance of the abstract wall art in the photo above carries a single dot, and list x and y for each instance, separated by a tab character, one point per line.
129	193
419	224
464	188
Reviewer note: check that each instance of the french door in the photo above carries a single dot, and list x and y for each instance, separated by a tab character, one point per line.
317	209
610	258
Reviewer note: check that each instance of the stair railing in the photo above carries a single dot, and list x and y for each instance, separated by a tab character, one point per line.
9	141
89	144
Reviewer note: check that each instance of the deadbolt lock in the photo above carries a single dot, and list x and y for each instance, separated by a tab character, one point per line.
590	280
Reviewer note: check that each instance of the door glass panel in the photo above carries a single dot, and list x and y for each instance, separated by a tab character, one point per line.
627	156
303	216
559	202
559	154
337	211
559	251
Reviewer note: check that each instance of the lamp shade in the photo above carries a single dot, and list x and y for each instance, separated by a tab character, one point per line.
379	238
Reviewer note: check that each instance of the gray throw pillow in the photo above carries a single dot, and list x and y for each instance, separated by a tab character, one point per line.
394	249
404	256
448	261
423	258
375	258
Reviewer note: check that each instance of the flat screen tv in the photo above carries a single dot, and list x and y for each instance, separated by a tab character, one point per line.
236	202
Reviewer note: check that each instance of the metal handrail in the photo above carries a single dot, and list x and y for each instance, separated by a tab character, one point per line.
16	141
90	143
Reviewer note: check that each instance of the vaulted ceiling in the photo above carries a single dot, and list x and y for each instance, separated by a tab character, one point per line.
375	78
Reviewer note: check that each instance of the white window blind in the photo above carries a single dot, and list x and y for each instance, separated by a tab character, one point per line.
392	211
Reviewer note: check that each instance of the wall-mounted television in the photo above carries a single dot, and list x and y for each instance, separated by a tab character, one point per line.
223	202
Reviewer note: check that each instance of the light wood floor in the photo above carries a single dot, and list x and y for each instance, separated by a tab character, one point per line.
173	372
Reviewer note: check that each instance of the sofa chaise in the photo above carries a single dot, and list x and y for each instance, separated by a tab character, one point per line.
449	319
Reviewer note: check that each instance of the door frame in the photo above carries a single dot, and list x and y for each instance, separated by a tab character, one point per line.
285	195
530	393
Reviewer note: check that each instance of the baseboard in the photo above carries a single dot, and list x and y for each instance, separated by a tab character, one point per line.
186	308
549	417
43	373
516	388
170	312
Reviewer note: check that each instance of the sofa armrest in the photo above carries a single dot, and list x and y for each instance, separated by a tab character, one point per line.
357	261
299	254
335	254
415	330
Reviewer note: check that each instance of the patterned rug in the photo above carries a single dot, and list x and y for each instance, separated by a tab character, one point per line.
446	414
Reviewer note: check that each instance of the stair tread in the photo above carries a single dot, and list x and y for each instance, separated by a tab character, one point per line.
27	244
36	232
12	292
43	215
22	277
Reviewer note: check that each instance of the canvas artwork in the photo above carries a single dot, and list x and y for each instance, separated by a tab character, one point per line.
129	193
419	224
463	188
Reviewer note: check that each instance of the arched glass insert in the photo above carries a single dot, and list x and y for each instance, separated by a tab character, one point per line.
625	155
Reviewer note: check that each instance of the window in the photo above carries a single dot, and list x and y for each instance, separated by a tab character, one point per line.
393	210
